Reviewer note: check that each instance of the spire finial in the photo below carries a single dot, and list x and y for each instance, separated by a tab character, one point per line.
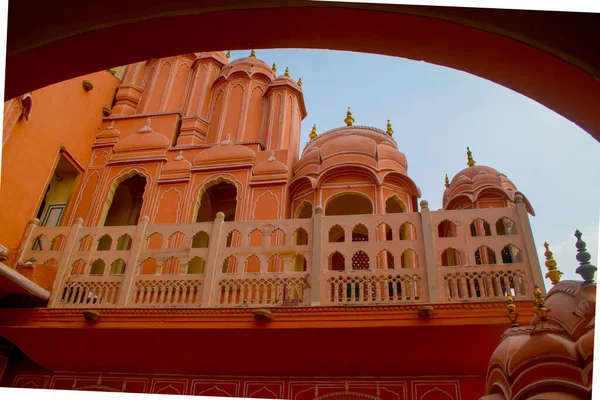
446	181
512	314
585	269
287	72
274	68
228	54
313	132
470	161
390	131
349	120
300	82
540	304
553	274
253	54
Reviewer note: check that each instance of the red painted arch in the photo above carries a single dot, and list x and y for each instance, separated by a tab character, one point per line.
537	74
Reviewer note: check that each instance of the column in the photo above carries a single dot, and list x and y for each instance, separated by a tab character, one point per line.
63	264
530	251
429	250
131	269
315	270
210	269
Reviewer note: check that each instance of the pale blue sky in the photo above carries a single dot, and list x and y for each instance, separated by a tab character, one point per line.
436	112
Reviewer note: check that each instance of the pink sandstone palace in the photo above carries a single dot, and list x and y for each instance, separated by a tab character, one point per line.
175	238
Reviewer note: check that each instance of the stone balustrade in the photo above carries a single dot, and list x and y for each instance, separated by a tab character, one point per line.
425	257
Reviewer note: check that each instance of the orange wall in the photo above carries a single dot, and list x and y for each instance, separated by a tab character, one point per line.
61	114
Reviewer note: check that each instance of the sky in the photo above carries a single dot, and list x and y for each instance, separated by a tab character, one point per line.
436	112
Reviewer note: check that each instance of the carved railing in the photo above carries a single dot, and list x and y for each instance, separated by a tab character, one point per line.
334	260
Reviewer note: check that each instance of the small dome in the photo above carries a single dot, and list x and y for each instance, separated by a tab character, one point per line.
217	55
250	65
545	345
144	139
386	151
270	166
478	180
110	132
224	153
179	164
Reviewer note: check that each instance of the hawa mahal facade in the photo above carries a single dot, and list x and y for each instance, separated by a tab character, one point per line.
171	236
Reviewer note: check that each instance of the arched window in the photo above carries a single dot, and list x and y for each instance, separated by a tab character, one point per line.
408	231
219	197
176	241
104	243
148	266
124	242
511	254
506	226
252	264
384	232
385	260
349	204
117	267
277	238
200	240
234	239
255	238
230	265
393	205
98	267
360	233
126	202
154	241
275	263
484	255
360	261
300	237
337	262
480	227
171	266
85	243
299	263
40	243
196	266
447	228
304	211
336	234
451	257
409	259
78	267
58	243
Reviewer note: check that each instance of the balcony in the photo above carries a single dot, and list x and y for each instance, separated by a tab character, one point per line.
429	257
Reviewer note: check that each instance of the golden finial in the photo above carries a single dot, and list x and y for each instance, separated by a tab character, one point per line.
274	68
470	161
287	72
512	314
390	131
228	54
313	132
446	181
553	273
253	54
349	120
539	304
300	82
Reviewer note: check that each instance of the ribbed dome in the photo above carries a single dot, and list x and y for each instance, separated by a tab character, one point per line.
350	143
225	153
218	55
250	65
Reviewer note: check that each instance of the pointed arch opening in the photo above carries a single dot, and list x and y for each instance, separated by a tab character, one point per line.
385	260
304	210
300	237
230	265
451	257
98	267
214	197
277	238
384	232
337	234
360	261
299	263
480	227
125	201
117	267
506	226
200	240
171	266
393	205
408	231
511	254
148	266
484	255
275	263
234	239
104	243
196	266
337	262
447	228
349	204
252	264
409	259
124	242
360	233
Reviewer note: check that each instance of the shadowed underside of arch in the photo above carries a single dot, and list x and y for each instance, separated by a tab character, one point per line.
553	64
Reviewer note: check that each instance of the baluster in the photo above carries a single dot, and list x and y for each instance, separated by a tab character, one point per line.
463	287
336	292
409	291
162	293
472	287
386	290
506	284
498	286
489	286
455	293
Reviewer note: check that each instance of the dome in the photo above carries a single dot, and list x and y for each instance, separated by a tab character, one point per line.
144	139
250	65
271	166
180	164
110	132
477	181
350	143
225	153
